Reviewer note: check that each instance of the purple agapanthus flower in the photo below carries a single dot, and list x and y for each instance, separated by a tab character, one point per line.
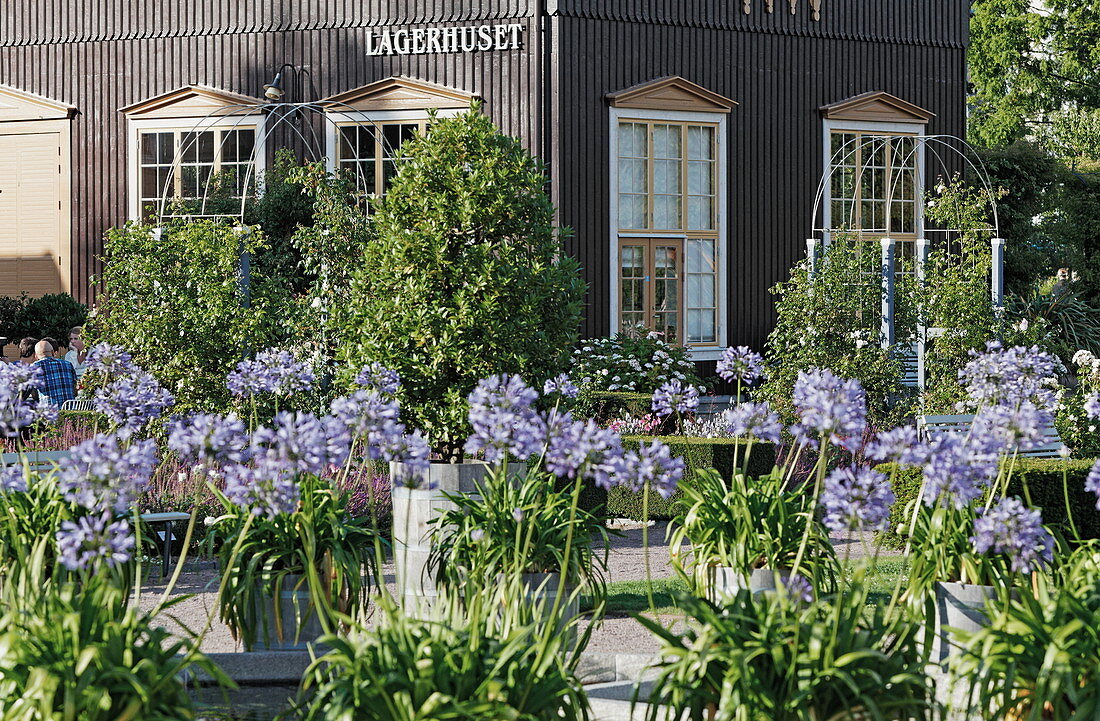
675	397
1009	376
1006	428
267	487
376	376
1016	532
504	420
740	364
1092	483
757	420
582	447
17	410
92	538
901	445
131	401
799	588
831	406
303	442
12	479
957	472
110	360
1092	406
652	466
103	473
209	439
272	371
413	452
561	385
371	416
856	498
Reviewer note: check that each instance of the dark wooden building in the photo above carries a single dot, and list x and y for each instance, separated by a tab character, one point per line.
685	138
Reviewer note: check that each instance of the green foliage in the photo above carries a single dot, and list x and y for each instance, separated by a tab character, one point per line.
1071	323
1077	430
285	206
830	319
604	406
630	362
746	523
9	314
175	303
466	277
51	315
319	548
767	657
722	454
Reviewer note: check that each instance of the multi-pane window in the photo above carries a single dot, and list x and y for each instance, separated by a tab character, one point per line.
873	187
177	165
668	184
366	152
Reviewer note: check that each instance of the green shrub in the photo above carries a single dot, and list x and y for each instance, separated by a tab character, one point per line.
604	406
698	454
466	277
636	361
9	314
1043	478
53	315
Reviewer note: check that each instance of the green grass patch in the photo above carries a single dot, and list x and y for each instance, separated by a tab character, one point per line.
631	597
882	580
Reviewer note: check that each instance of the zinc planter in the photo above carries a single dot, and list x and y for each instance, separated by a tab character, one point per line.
959	606
295	626
413	511
723	582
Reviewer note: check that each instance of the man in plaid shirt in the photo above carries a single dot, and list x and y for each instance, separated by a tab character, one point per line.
58	376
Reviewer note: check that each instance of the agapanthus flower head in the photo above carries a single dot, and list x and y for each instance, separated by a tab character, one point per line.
1010	376
266	487
104	473
857	498
111	360
18	382
560	385
1092	482
303	442
831	406
582	447
12	479
504	420
411	450
209	439
371	416
272	371
756	420
1011	529
654	467
1004	429
380	378
799	588
93	538
1092	406
901	445
740	364
675	397
957	472
132	400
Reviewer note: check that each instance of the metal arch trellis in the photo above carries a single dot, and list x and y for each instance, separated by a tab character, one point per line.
920	145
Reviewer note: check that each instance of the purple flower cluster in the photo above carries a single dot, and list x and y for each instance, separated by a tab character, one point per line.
1092	483
17	381
12	479
414	454
582	447
561	385
1004	428
675	397
831	406
267	486
899	445
799	588
856	498
380	378
302	443
104	473
757	420
272	371
1016	532
209	439
132	400
110	360
958	471
92	538
504	420
654	467
740	364
1092	406
1010	376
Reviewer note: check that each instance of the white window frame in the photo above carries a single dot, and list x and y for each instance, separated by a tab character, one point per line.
339	118
831	125
721	120
187	125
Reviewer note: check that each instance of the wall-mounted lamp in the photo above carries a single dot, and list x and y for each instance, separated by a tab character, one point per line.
274	89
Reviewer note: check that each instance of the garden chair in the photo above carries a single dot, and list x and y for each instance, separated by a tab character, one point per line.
932	427
79	404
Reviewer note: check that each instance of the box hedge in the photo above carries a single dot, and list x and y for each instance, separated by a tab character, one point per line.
698	453
1044	483
605	406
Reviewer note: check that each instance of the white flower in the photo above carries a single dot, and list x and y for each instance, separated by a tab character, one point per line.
1082	357
860	343
613	387
616	379
1092	429
1064	451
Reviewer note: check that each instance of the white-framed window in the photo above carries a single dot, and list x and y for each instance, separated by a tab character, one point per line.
174	159
668	225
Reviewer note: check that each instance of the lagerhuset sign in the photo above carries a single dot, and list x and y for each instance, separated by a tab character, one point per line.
423	41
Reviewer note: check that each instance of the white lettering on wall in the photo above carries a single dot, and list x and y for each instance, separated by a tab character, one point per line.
423	41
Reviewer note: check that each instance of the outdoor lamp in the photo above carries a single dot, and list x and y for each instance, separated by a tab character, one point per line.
274	90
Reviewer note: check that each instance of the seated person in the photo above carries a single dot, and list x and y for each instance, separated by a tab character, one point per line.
77	352
58	376
26	350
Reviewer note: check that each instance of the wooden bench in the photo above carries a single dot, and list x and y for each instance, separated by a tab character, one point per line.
46	461
932	427
79	404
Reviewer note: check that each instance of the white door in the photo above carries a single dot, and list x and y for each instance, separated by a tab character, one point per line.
31	229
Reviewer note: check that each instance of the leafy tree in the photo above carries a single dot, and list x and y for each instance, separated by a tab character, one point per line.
51	315
465	277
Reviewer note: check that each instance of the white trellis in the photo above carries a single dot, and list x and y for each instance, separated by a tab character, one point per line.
936	146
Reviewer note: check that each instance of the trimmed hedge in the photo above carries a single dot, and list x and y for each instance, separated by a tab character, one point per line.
698	453
1044	483
604	406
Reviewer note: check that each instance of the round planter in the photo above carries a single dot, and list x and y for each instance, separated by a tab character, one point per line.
723	582
295	626
959	607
